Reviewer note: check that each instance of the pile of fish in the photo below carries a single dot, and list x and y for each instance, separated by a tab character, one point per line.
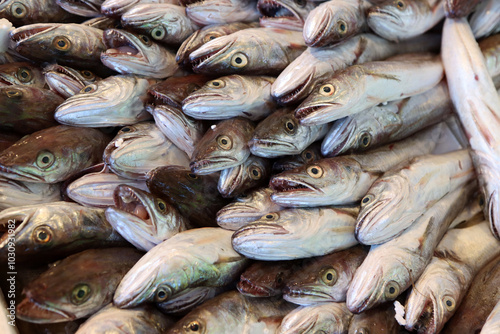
243	166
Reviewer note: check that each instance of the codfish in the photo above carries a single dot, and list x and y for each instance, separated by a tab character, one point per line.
252	173
21	73
67	81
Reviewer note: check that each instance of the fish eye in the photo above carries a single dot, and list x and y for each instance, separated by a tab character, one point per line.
362	330
210	37
14	94
61	43
224	142
329	276
80	294
365	140
125	129
326	90
400	5
301	3
271	216
449	303
158	33
255	173
367	199
290	126
481	201
145	39
162	293
18	10
87	75
45	159
192	176
279	278
315	171
341	27
307	156
391	290
88	89
217	83
239	60
24	74
42	234
161	205
193	326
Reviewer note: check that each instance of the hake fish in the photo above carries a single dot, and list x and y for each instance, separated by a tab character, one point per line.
486	19
33	11
87	8
266	279
116	8
222	11
284	14
21	73
67	81
16	193
175	89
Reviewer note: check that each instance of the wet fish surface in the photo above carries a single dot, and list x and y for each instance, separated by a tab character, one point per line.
67	81
254	172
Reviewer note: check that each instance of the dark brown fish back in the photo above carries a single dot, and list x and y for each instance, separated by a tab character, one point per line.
173	90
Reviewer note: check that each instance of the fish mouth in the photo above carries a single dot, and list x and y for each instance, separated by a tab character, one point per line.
20	221
251	229
343	133
259	146
273	10
17	174
117	144
315	39
182	56
193	98
427	320
367	215
116	7
303	112
81	7
23	34
206	166
130	201
283	184
62	75
247	288
200	61
120	44
305	297
296	94
5	81
30	310
237	214
380	13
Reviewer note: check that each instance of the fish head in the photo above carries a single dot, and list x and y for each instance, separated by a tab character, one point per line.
234	181
310	154
67	81
265	279
284	14
115	8
311	320
86	8
188	299
175	89
18	12
20	74
196	40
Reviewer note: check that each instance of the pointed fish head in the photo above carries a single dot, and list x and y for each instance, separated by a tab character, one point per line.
295	82
318	318
235	181
19	12
310	154
265	279
21	73
67	81
87	8
285	14
115	8
188	299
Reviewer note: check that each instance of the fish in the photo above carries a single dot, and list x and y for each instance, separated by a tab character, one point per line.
392	267
21	73
223	146
195	196
7	139
77	286
254	172
246	209
478	110
116	8
50	230
102	22
48	156
113	320
67	81
376	320
251	51
27	109
284	14
490	49
266	279
26	12
459	8
389	206
222	11
138	148
319	318
308	155
163	22
143	219
281	134
277	235
188	299
232	312
334	21
114	101
198	257
484	21
16	193
363	86
324	279
403	19
231	96
87	8
173	90
491	324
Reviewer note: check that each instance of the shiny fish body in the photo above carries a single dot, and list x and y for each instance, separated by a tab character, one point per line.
231	96
239	180
278	235
392	203
486	19
21	73
33	11
16	193
116	8
175	89
222	11
266	279
284	14
67	81
87	8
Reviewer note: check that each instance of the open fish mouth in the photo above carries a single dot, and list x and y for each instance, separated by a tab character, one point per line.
427	321
297	93
270	143
246	287
345	132
305	297
206	165
80	5
62	75
256	229
303	112
126	199
281	184
368	215
202	60
23	34
20	221
316	37
29	310
204	97
118	44
272	9
5	81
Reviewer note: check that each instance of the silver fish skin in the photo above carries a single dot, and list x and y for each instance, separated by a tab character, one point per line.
87	8
130	53
390	268
492	324
320	318
252	51
401	196
223	146
198	257
277	236
239	180
334	21
67	81
188	299
346	179
403	19
478	110
143	219
363	86
114	320
485	20
17	193
222	11
116	8
460	255
281	134
246	209
138	148
232	96
115	101
165	23
284	14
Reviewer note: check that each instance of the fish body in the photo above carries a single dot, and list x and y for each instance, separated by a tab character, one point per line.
67	81
16	193
87	8
252	173
379	320
284	14
266	279
222	11
175	89
21	73
33	11
486	19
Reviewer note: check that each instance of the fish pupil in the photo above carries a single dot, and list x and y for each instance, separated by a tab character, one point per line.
365	141
255	172
191	175
314	170
366	200
80	293
329	276
269	216
42	235
161	294
449	303
342	27
24	74
162	206
308	155
327	89
392	290
238	60
45	160
61	43
212	37
216	84
158	33
224	141
194	327
289	125
19	10
88	89
126	129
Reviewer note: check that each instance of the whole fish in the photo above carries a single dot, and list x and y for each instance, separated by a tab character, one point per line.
188	299
246	209
67	81
175	89
143	219
231	96
87	8
293	234
198	257
390	268
266	279
222	11
165	23
115	101
195	196
52	155
403	19
314	65
223	146
281	134
113	320
21	73
284	14
486	19
363	86
478	110
334	21
320	318
310	154
253	51
116	8
16	193
376	320
232	312
77	286
325	278
346	179
26	109
252	173
400	196
33	11
459	8
54	229
492	325
138	148
206	34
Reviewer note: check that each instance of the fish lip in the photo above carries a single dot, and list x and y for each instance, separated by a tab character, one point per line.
262	144
295	296
280	183
137	199
22	176
295	94
31	305
303	112
116	11
426	322
4	80
316	39
274	229
345	135
246	285
199	166
202	60
4	238
204	97
380	12
86	6
61	70
271	7
114	38
25	33
164	98
361	219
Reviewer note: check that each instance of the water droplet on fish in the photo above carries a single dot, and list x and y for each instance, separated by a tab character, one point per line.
118	142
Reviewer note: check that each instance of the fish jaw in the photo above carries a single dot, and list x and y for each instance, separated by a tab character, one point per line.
138	285
251	239
277	14
385	20
421	315
213	164
219	48
190	44
31	311
20	173
316	28
205	105
131	228
340	138
306	295
63	81
364	291
30	34
285	90
294	191
271	147
315	113
247	288
16	215
115	8
81	7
